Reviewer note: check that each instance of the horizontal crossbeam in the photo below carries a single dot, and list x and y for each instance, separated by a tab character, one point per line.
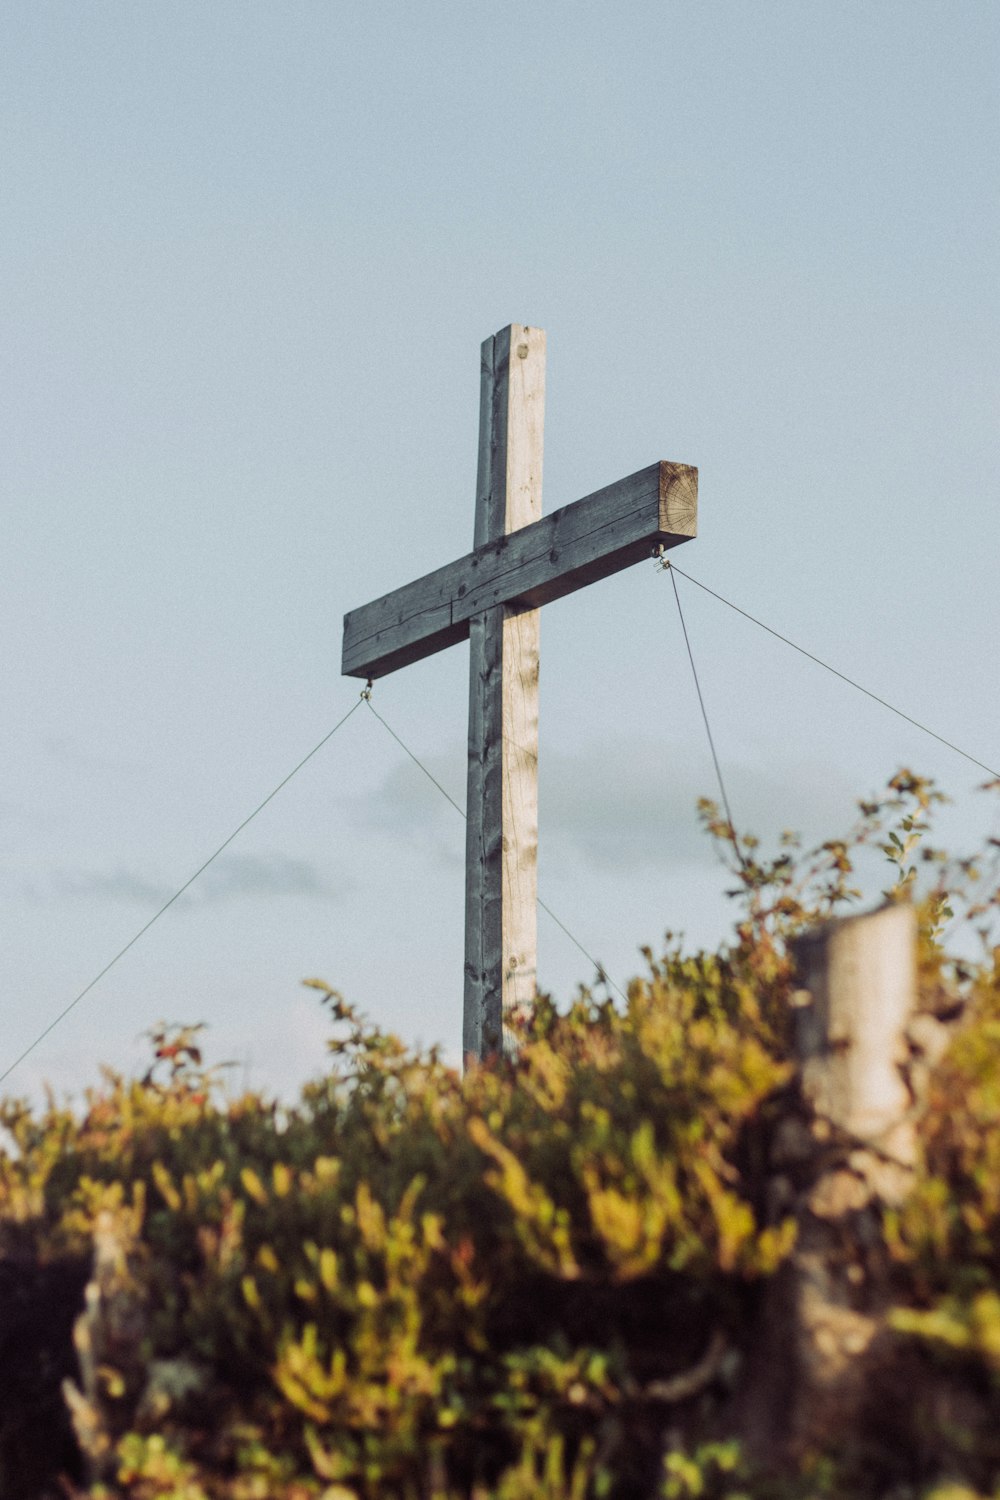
574	546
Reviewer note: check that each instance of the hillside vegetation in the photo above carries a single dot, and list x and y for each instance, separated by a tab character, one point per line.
544	1280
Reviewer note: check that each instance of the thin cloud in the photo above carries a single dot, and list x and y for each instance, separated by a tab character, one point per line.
235	877
107	886
636	804
630	804
264	875
408	798
409	806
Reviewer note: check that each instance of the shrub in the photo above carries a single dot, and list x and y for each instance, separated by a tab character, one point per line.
533	1281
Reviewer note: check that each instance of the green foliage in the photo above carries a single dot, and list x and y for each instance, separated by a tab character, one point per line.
390	1275
417	1285
948	1234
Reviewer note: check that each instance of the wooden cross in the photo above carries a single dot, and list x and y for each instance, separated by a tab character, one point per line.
519	561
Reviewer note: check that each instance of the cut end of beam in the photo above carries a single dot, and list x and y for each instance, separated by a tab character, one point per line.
679	500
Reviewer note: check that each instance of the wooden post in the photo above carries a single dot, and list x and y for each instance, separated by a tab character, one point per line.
859	987
502	836
852	1149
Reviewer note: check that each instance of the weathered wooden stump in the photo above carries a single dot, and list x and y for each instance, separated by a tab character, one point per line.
849	1152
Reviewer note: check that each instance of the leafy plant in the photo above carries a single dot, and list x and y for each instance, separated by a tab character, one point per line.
535	1281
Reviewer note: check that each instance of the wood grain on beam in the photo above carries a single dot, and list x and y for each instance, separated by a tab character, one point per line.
524	569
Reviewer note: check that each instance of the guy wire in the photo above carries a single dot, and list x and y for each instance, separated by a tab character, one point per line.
177	894
842	675
602	974
668	567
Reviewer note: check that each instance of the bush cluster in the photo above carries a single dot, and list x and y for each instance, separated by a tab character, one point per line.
538	1281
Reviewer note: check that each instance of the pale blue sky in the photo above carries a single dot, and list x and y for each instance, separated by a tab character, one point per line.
248	253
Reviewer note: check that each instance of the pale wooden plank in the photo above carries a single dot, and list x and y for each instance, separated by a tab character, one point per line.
519	870
552	556
519	691
502	833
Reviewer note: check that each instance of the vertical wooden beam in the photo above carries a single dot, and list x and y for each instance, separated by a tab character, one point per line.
502	837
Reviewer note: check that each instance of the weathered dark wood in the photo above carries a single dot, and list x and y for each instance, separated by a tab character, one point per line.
502	829
590	539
